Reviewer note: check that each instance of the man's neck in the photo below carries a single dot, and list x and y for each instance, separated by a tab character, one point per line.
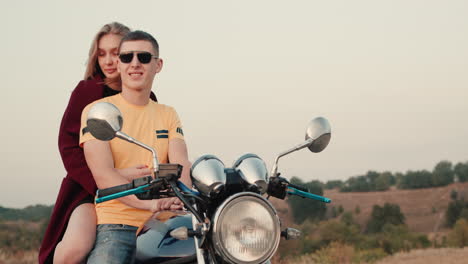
136	97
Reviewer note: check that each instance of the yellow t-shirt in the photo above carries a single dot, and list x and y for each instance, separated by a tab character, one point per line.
153	124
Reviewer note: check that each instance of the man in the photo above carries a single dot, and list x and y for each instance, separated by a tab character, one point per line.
154	124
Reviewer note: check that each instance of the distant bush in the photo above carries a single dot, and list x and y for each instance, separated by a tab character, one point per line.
456	209
461	171
372	181
338	231
303	209
443	174
458	237
334	253
333	184
348	219
395	238
415	180
388	214
357	210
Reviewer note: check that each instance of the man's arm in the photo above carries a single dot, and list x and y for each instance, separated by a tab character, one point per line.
178	155
99	158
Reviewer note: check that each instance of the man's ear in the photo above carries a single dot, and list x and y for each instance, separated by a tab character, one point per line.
159	65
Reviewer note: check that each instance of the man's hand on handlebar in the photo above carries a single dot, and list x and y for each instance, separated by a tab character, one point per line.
161	204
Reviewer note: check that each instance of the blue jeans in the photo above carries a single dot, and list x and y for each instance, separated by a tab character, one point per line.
114	244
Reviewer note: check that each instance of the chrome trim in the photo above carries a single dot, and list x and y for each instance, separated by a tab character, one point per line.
253	170
208	175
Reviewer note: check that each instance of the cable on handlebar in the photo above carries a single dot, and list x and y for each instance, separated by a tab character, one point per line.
185	202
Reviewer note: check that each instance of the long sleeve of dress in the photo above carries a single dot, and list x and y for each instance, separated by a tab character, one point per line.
72	155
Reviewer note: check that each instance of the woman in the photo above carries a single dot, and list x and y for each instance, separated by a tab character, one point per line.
72	227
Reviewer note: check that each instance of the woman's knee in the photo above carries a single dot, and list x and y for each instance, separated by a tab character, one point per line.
79	236
68	253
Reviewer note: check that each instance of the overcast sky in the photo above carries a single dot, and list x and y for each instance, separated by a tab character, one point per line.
247	76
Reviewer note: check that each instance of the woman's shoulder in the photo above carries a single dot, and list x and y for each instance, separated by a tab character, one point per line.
90	85
86	92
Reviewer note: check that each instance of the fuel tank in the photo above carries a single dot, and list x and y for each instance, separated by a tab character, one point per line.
155	244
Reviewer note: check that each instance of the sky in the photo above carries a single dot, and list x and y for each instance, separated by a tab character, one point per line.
246	77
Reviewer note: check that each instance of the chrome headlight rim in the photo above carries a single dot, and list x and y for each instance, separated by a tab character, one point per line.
216	226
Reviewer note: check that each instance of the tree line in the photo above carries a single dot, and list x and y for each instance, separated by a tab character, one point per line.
444	173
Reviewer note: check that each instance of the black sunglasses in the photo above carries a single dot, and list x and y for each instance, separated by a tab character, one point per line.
143	57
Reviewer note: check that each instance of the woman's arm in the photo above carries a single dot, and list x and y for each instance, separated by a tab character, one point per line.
68	140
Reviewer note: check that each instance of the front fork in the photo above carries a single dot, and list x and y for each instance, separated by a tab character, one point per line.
199	251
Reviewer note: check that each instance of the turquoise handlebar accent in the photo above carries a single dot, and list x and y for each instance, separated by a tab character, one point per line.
140	189
294	191
184	188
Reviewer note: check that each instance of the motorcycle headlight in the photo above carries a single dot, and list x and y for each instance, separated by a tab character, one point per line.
208	175
253	170
246	229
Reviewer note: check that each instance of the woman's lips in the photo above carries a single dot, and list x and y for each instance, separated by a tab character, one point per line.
110	71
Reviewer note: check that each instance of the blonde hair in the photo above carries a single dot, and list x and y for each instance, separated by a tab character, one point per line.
92	67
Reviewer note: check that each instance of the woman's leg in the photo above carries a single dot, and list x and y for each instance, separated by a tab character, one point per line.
79	236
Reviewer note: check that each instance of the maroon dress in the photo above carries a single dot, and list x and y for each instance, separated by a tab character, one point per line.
79	183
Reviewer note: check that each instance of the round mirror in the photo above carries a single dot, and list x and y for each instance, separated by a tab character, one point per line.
319	130
104	120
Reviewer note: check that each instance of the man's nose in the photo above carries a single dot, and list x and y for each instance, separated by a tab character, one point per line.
135	62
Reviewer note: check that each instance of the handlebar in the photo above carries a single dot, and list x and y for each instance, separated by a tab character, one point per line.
294	191
118	194
299	187
147	188
124	187
278	187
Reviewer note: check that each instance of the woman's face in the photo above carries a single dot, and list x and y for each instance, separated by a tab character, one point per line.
108	53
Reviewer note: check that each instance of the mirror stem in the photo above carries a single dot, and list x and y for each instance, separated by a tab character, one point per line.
304	144
132	140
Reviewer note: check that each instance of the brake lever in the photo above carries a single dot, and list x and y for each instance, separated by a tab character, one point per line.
278	187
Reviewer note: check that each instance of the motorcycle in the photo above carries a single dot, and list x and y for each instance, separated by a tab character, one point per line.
227	219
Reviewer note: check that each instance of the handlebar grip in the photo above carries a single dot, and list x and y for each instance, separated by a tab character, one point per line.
115	189
301	188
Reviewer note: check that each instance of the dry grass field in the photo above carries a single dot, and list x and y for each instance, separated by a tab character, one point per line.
429	256
28	257
424	209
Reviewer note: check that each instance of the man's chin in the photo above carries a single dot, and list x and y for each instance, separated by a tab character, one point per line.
134	86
